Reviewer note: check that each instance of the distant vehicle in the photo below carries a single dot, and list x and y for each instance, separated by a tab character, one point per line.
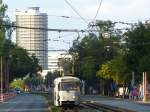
18	91
66	91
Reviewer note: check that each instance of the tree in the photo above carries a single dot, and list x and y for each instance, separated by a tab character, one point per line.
138	43
95	50
14	59
3	8
33	82
50	78
17	83
116	69
21	63
90	55
66	65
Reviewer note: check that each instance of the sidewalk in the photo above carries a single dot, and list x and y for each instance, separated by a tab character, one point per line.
137	106
133	101
6	96
143	103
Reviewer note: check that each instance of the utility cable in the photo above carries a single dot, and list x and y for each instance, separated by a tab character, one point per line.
76	11
100	4
48	29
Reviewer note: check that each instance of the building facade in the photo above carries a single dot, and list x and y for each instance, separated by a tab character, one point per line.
53	61
34	36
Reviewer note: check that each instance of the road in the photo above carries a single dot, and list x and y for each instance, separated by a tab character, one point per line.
25	103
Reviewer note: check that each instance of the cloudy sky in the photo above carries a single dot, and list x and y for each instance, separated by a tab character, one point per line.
115	10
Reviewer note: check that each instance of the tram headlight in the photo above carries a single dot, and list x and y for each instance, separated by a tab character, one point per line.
73	97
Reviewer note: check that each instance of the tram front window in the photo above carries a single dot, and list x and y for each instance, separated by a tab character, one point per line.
69	86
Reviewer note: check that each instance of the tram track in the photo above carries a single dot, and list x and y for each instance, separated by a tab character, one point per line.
104	108
94	107
71	109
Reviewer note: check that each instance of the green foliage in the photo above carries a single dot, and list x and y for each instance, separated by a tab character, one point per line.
50	77
138	43
105	25
88	68
115	69
3	8
91	54
94	50
66	64
21	63
17	83
105	71
33	82
134	56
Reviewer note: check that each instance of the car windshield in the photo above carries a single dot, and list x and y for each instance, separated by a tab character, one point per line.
69	86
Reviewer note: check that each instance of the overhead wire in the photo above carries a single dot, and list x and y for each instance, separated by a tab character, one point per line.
92	22
60	16
69	17
67	30
76	11
67	35
100	4
49	29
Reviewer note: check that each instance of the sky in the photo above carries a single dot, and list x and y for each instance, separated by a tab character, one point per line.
115	10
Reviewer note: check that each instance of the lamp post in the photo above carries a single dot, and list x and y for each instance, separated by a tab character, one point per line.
1	64
7	73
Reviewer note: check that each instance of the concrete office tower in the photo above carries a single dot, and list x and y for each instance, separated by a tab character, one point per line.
33	40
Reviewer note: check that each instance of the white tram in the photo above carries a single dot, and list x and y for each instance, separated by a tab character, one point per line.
66	91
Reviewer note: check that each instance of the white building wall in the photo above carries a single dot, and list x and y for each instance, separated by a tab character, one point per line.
53	60
33	40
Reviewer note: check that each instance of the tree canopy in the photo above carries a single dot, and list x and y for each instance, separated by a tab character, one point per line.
19	61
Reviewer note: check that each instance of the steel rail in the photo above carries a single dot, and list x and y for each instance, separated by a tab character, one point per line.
105	108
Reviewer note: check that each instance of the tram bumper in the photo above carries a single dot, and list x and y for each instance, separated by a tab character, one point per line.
69	98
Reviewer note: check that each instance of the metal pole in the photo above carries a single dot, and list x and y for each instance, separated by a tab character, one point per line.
146	87
73	65
1	79
143	85
7	67
5	73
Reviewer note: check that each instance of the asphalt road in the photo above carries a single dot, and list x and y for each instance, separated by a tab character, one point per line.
25	103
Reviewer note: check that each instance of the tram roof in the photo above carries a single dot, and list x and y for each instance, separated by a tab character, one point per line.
59	79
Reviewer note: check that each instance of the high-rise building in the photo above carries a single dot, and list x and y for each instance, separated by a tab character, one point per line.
31	39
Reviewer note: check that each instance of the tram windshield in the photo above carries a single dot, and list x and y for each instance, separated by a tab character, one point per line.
69	86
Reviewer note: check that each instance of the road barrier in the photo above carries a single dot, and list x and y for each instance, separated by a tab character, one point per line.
6	96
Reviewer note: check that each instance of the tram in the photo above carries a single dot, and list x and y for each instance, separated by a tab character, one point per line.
66	91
